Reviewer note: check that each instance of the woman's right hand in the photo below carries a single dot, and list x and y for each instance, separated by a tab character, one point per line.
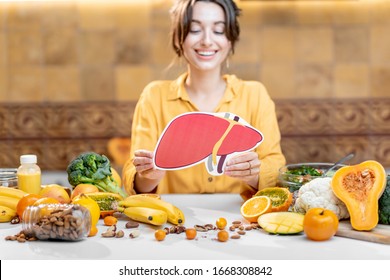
143	162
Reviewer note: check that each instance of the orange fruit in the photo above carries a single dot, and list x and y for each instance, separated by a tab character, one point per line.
83	188
46	200
26	201
223	236
110	220
256	206
160	234
190	233
221	223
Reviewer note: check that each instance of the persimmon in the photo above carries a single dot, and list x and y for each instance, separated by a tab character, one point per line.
320	224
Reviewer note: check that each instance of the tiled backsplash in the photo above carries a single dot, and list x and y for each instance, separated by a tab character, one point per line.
312	130
109	50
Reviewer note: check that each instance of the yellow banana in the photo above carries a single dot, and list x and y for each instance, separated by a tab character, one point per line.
11	192
145	215
6	214
180	216
10	202
175	216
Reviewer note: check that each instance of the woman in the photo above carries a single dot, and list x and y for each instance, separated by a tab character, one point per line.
204	33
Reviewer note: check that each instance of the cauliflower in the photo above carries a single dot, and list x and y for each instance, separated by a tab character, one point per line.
319	193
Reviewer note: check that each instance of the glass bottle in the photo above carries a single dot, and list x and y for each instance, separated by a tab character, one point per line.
71	222
29	174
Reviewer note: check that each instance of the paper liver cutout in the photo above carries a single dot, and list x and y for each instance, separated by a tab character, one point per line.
192	138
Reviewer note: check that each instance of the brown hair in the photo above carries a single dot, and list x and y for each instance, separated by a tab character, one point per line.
181	15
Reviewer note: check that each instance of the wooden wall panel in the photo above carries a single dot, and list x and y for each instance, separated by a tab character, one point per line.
312	130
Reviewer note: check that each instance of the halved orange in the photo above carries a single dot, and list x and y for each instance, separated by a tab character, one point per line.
256	206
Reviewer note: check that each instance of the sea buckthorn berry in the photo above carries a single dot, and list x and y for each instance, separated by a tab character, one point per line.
160	234
221	223
110	220
190	233
223	236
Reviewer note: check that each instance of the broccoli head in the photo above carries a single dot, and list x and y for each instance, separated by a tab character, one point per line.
384	205
92	168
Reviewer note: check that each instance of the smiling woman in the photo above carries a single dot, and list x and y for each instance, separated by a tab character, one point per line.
204	34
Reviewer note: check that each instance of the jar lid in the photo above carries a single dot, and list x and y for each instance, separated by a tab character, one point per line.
28	159
7	173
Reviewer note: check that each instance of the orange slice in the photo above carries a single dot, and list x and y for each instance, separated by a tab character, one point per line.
256	206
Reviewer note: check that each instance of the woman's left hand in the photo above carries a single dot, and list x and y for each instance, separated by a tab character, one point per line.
245	167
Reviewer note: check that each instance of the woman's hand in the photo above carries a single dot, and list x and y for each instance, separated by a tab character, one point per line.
245	167
148	176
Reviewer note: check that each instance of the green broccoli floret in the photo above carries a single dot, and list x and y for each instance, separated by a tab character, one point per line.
92	168
384	205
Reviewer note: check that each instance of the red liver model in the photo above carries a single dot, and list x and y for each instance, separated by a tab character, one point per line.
191	138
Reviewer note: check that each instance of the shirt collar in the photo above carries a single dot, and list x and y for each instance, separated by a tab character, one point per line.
178	91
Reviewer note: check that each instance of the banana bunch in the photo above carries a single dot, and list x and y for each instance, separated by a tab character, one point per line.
9	198
150	210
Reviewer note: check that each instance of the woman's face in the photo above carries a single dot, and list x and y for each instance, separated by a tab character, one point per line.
206	45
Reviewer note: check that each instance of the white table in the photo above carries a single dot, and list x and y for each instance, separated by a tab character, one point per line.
199	209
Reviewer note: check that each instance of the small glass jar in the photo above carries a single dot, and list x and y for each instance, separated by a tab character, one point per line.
70	222
8	177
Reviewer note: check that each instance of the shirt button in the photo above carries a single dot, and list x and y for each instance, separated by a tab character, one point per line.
210	179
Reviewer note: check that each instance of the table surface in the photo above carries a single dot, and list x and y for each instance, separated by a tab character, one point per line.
199	209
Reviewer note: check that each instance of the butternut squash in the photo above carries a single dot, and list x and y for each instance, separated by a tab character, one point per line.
360	187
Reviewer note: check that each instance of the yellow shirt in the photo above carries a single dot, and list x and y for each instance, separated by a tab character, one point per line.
161	101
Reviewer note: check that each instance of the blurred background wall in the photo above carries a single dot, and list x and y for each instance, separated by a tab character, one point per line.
109	50
77	53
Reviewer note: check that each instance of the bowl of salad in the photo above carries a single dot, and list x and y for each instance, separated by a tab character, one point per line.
293	176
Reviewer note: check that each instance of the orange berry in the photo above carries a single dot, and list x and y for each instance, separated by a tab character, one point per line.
160	234
221	223
110	220
190	233
223	236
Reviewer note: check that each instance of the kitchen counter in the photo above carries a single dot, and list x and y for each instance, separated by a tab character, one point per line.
199	209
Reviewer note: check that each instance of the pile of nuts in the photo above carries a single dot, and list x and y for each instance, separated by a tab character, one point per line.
21	237
60	224
111	231
241	229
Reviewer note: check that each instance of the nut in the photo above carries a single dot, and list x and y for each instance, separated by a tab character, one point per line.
237	223
232	228
241	232
120	234
235	236
135	233
132	224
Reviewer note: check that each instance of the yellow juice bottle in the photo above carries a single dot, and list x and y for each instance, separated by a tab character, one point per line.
29	174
